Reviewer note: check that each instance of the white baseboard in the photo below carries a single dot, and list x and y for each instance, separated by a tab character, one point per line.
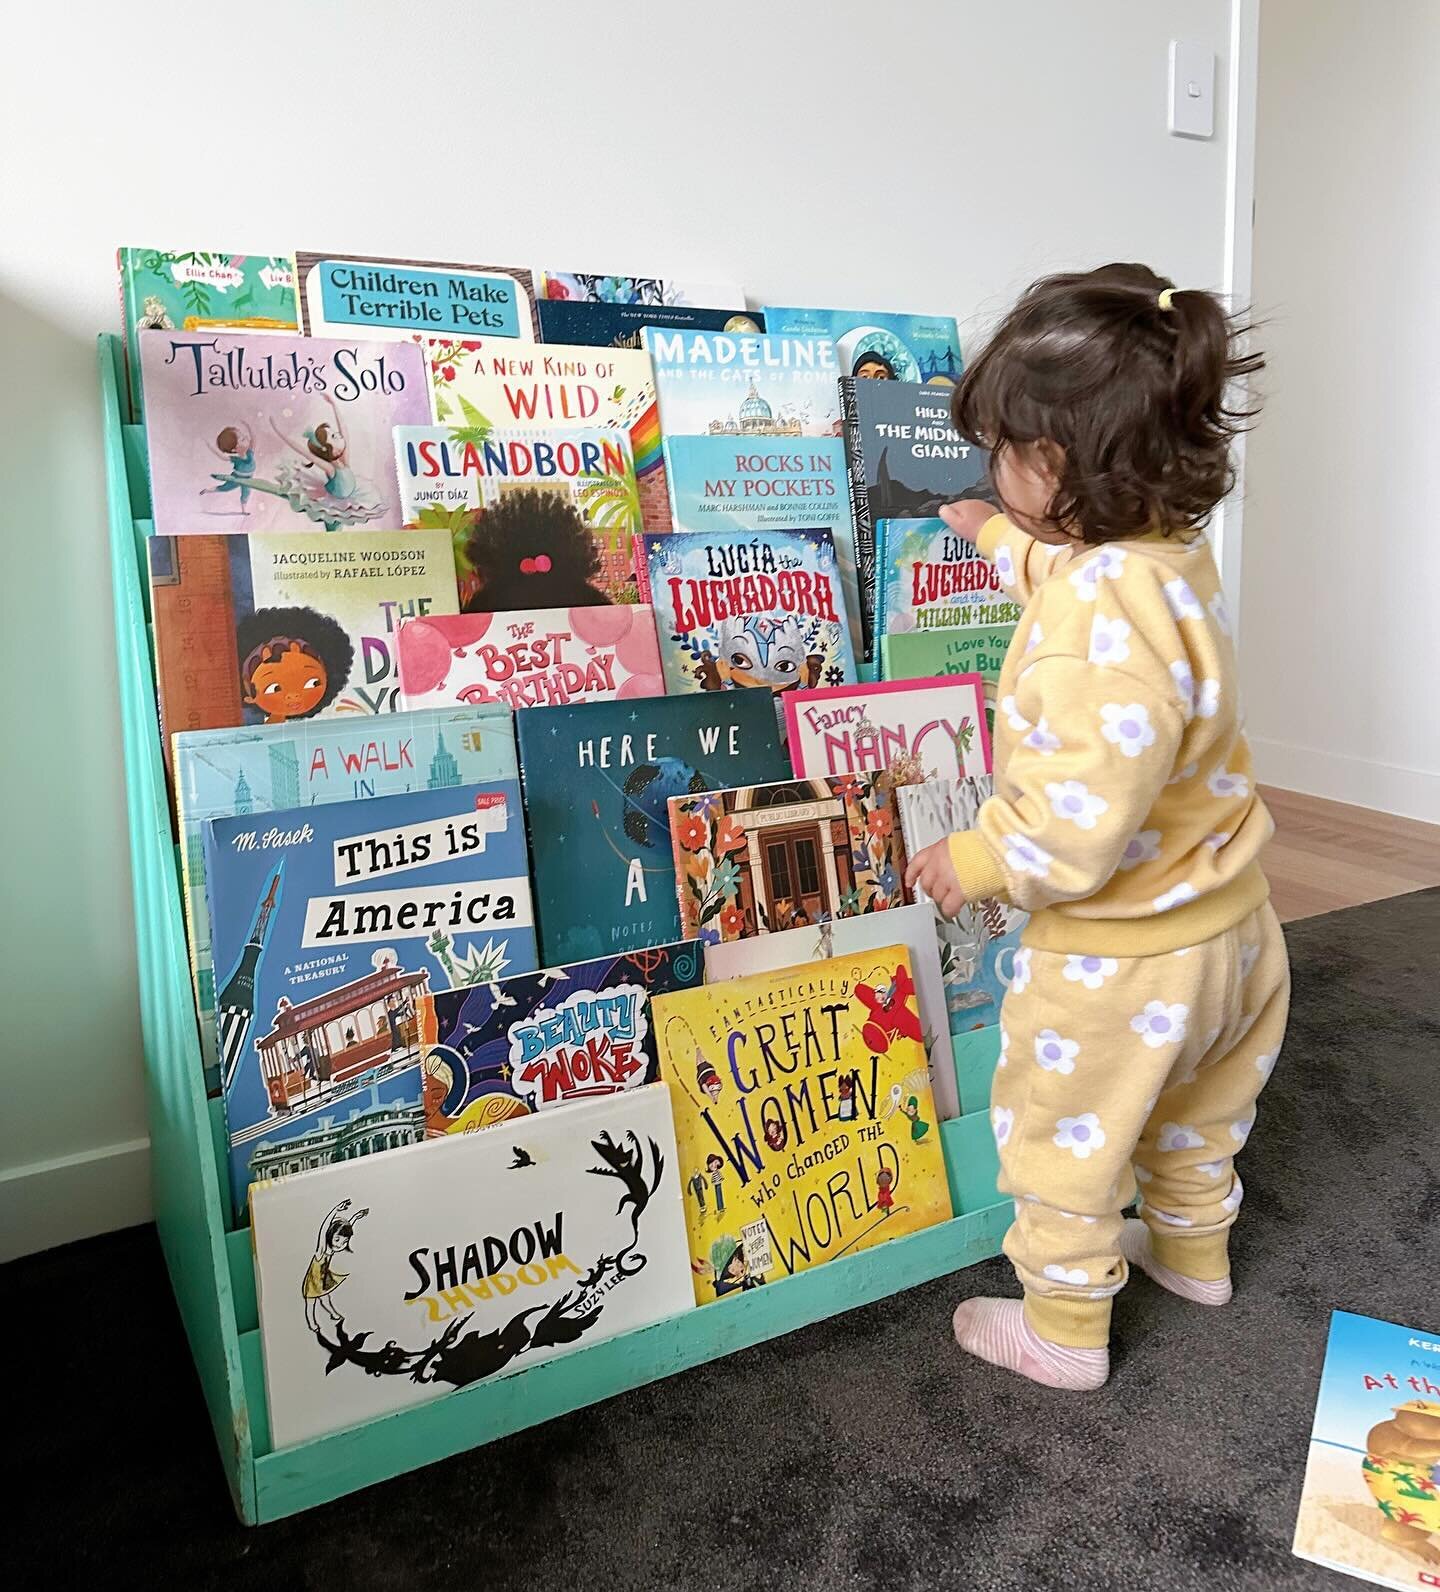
74	1196
1388	787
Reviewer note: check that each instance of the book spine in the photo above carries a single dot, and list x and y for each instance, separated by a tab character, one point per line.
865	557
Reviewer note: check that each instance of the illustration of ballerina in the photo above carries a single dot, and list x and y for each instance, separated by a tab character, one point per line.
321	1278
235	448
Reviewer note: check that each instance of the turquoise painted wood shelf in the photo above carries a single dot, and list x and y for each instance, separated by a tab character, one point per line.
210	1266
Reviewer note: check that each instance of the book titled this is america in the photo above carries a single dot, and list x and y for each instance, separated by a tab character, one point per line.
344	295
268	432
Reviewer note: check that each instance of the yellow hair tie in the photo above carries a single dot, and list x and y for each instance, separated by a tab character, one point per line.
1166	300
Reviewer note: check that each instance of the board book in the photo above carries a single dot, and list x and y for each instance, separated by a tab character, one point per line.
267	768
912	926
803	1117
591	287
268	432
329	925
531	658
539	519
602	325
1370	1506
744	384
879	344
349	295
917	729
470	1257
193	290
784	855
494	1052
598	777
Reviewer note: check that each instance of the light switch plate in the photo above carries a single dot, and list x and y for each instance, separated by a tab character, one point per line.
1192	90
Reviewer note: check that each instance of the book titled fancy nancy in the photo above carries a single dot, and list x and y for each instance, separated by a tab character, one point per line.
879	343
540	519
918	729
275	433
329	926
344	295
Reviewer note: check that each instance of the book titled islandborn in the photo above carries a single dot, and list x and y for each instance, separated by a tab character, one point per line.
744	385
330	925
274	433
343	295
878	343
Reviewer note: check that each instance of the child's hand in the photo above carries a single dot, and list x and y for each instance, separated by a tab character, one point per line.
933	871
967	518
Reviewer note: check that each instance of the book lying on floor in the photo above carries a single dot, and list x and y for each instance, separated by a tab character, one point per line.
1370	1506
602	325
803	1116
918	729
341	294
470	1257
329	926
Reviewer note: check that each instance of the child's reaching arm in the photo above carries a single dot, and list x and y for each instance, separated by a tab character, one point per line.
1021	560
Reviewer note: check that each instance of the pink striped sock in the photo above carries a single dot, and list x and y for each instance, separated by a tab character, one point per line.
1135	1246
996	1330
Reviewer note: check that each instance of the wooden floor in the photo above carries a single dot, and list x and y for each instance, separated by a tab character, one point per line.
1327	855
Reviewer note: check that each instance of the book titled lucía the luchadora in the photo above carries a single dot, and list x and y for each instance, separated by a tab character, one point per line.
344	295
803	1116
308	762
276	433
383	1283
1370	1506
879	343
329	925
539	519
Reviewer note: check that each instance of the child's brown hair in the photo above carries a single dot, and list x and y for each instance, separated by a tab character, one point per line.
1130	378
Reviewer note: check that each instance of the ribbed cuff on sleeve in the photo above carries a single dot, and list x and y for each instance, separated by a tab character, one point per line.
977	868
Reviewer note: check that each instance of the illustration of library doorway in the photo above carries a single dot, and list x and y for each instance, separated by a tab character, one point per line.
798	846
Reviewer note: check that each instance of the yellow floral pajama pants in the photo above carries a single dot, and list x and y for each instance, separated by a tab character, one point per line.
1118	1072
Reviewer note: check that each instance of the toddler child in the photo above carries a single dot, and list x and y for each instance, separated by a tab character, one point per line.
1150	994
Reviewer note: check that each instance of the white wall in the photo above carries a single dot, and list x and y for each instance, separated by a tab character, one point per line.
1342	551
926	156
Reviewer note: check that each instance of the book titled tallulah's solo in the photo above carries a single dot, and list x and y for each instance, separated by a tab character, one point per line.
308	762
344	295
436	1267
598	777
329	926
803	1117
276	433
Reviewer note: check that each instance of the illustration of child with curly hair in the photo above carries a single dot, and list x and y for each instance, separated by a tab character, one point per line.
533	550
319	482
293	662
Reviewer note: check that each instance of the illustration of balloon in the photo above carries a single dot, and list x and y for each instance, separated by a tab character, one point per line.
641	685
425	655
639	652
601	626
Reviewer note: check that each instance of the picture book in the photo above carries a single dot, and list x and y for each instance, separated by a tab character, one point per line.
931	579
196	291
588	287
433	1268
329	924
266	768
905	460
270	629
917	654
740	384
598	777
978	945
912	926
494	1052
531	658
1371	1502
600	325
736	609
344	295
803	1117
269	432
879	344
915	729
479	384
786	855
539	519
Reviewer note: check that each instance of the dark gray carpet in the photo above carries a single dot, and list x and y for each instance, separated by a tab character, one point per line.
864	1452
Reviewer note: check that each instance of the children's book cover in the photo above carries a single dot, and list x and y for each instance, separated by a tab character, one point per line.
303	763
275	433
494	1052
539	519
912	926
978	945
1371	1502
916	729
803	1116
592	288
270	629
785	855
601	325
931	579
479	385
194	290
878	343
342	295
735	609
531	658
329	925
388	1282
744	385
918	654
598	777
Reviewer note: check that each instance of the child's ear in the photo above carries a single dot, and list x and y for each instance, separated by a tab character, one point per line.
1047	459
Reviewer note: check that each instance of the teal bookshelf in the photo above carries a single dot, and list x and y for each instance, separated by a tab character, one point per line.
210	1264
